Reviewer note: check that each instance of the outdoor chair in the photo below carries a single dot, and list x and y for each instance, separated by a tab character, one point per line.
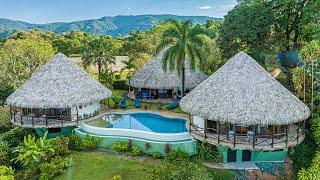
137	103
174	104
123	103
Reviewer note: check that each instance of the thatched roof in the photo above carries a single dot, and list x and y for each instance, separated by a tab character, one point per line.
152	76
58	84
242	92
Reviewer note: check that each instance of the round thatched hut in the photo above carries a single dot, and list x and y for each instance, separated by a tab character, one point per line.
153	82
59	94
247	113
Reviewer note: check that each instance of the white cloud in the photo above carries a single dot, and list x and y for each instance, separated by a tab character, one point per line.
205	7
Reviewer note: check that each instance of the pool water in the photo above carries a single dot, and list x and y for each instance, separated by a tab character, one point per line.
142	121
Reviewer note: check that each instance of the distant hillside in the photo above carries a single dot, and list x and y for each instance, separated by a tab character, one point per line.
115	26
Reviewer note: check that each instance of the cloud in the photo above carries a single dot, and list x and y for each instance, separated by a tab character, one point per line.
205	7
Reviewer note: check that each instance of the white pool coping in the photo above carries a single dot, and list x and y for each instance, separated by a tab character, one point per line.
133	133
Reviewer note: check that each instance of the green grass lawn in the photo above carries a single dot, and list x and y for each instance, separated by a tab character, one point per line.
99	165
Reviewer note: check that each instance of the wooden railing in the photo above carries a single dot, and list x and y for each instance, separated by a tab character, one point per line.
257	140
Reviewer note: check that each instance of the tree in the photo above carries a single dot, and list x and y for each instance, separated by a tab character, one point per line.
180	41
19	59
246	28
295	20
129	66
100	53
311	53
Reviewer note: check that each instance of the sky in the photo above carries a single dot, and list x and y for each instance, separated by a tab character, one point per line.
46	11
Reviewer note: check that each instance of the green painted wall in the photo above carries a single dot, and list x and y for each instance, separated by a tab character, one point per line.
65	131
256	155
107	141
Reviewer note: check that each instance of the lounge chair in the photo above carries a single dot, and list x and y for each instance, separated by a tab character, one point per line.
123	103
137	103
174	104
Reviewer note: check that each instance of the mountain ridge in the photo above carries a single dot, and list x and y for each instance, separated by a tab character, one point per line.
117	26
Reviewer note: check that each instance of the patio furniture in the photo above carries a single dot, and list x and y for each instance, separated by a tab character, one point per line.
137	103
174	104
123	103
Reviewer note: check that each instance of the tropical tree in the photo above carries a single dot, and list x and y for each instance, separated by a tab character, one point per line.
181	41
129	66
100	53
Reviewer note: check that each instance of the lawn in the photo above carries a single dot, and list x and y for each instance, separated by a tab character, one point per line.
99	165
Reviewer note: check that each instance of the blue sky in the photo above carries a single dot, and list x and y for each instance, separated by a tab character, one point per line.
44	11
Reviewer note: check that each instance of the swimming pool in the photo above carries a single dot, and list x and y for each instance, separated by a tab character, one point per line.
141	128
141	121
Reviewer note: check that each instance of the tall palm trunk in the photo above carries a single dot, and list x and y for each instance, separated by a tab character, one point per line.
183	81
99	71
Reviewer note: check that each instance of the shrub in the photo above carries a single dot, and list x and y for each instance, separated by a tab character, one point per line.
147	146
4	153
15	136
116	177
6	173
177	156
313	171
178	170
136	151
90	142
167	148
74	142
33	152
208	152
60	145
156	155
55	167
121	147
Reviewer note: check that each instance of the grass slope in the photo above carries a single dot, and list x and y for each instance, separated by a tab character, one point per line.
97	165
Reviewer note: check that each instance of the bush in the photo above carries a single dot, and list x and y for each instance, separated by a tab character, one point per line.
313	171
156	155
90	142
116	177
4	154
136	151
121	147
75	142
6	173
178	170
177	156
61	146
208	152
120	84
15	136
55	167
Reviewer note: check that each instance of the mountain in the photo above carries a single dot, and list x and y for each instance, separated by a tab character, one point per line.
117	26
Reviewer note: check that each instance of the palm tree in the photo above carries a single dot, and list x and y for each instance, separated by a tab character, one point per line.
99	52
129	65
180	41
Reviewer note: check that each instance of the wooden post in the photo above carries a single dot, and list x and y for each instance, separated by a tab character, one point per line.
14	115
32	118
287	135
205	129
228	131
77	115
298	131
190	123
45	112
272	139
254	134
218	129
234	135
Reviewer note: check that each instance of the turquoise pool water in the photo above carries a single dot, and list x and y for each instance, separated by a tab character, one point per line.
142	121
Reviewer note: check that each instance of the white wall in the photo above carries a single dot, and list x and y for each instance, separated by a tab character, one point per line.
198	121
88	109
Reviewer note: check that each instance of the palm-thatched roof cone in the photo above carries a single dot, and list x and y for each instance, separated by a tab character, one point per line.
242	92
58	84
152	76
